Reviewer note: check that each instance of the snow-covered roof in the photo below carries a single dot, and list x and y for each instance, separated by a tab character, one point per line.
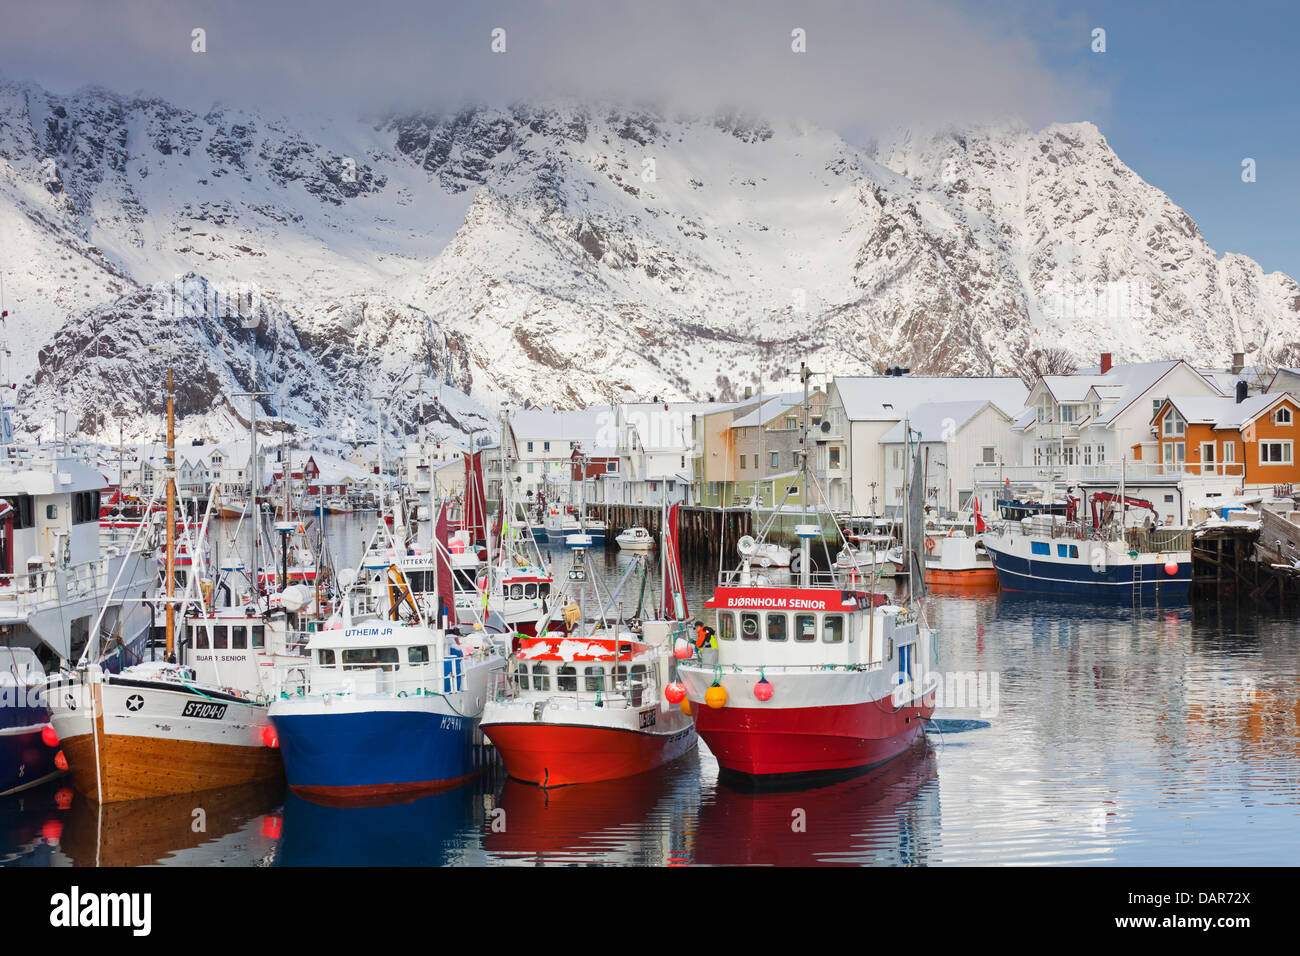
595	428
665	426
1136	378
1224	412
770	409
936	421
1026	418
887	398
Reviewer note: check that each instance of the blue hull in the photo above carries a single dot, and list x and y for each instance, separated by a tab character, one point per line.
376	752
1112	584
25	760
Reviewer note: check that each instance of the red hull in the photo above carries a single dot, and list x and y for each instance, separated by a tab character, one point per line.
766	741
554	755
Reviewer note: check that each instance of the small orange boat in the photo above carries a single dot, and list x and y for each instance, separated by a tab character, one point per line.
957	563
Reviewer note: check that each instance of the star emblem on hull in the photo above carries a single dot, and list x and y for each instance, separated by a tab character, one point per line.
134	702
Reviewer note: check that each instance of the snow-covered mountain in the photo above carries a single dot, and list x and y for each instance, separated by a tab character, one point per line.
570	254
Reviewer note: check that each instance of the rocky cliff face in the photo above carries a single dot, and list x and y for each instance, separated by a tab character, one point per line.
570	254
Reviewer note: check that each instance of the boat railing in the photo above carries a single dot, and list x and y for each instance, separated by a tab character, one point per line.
26	592
817	578
1154	540
384	679
608	688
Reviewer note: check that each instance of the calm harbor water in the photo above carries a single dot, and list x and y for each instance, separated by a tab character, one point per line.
1069	734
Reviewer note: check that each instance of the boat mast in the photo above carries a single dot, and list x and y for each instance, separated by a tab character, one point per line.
171	518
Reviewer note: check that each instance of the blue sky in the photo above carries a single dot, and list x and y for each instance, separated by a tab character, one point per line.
1184	91
1191	89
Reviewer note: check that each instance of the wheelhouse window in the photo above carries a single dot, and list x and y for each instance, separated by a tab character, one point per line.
221	638
833	629
805	627
726	626
595	678
200	638
541	678
359	658
417	655
325	657
239	638
259	635
749	627
530	592
516	592
566	678
777	627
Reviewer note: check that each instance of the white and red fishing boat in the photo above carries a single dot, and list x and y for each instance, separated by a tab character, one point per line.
816	678
583	704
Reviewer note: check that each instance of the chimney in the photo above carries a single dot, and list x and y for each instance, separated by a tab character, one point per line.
1238	362
1241	392
748	392
1105	362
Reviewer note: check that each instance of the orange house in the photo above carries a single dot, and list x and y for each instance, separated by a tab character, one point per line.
1253	439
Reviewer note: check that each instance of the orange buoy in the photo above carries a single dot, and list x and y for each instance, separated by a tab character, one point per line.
686	706
716	697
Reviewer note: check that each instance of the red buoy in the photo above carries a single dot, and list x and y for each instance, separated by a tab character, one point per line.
675	693
63	799
270	737
763	689
1171	567
273	826
60	761
52	831
49	737
682	649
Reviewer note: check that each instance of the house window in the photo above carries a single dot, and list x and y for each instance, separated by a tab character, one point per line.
794	459
1175	453
791	421
1229	451
776	459
546	446
1282	416
1087	454
530	467
1275	452
835	456
1067	413
1101	454
1155	406
1174	424
989	454
898	458
611	467
743	459
530	446
1038	454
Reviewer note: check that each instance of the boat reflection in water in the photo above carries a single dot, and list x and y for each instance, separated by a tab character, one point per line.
31	824
629	821
886	816
163	829
424	829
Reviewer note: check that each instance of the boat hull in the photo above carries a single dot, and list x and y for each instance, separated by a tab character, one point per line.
553	754
25	760
972	579
341	753
786	742
135	735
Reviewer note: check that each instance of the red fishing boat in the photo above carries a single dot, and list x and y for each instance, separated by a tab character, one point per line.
820	677
597	702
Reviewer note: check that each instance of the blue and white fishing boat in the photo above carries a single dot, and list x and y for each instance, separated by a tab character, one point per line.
391	698
1048	554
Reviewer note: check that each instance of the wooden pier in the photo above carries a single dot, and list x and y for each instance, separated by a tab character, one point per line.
1236	562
